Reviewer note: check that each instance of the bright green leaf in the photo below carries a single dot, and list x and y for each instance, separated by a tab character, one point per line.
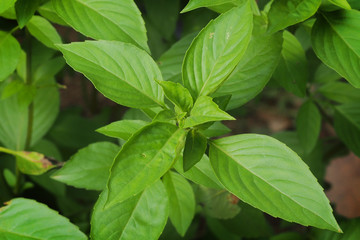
141	217
177	94
182	201
215	130
217	50
145	157
47	11
292	71
6	4
25	9
123	129
170	62
324	74
202	173
332	5
266	174
89	167
195	147
205	110
335	39
308	125
105	20
340	92
43	31
120	71
9	54
255	69
27	219
284	13
216	4
347	125
12	88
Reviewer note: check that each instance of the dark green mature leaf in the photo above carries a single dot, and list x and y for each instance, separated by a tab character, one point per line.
47	11
347	125
145	157
9	54
217	203
163	14
89	167
25	9
178	95
27	219
202	173
351	232
292	71
215	130
182	201
105	20
120	71
355	4
6	4
284	13
335	39
217	5
195	147
308	125
219	230
257	167
324	74
48	69
122	129
216	51
340	92
170	62
205	110
255	70
13	124
43	31
140	217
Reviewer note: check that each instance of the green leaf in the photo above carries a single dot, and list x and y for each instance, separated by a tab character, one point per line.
89	167
163	14
355	4
47	11
266	174
145	157
120	71
12	88
324	74
292	71
216	203
335	39
48	69
25	9
217	4
32	163
105	20
14	117
331	5
308	125
347	125
177	94
284	13
195	147
182	201
6	4
350	227
202	173
205	110
255	70
217	50
27	219
140	217
9	54
340	92
122	129
43	31
215	130
170	62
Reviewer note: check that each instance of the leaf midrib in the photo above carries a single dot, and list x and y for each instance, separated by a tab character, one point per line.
231	157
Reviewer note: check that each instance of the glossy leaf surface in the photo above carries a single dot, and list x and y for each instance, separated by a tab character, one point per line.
216	51
268	175
178	95
140	217
27	219
145	157
43	31
104	20
335	39
120	71
122	129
